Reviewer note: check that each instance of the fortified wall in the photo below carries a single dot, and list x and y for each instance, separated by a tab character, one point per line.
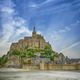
43	66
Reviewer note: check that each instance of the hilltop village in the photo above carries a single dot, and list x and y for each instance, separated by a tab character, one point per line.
34	53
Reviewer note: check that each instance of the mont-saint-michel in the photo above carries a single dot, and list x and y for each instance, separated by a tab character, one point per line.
39	39
35	53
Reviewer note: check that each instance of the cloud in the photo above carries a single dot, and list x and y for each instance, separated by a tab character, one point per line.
61	38
72	51
71	46
57	34
46	2
66	29
32	5
8	10
49	13
13	26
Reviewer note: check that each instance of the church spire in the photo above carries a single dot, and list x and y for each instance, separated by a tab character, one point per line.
34	31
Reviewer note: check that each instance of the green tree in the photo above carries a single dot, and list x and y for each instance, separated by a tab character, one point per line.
16	52
53	56
3	60
48	51
30	53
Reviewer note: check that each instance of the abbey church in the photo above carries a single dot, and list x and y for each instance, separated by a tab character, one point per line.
36	41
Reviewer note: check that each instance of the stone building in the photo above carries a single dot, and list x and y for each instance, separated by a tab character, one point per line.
36	41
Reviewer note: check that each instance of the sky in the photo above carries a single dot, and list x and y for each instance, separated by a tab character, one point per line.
57	20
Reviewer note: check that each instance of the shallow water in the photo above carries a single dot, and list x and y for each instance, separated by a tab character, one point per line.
39	75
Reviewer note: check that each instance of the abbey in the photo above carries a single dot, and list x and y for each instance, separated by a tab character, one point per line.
34	53
36	41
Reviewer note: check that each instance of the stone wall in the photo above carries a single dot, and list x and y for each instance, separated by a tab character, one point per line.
43	66
30	67
64	67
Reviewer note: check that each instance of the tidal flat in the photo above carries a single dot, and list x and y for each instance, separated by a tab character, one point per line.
17	74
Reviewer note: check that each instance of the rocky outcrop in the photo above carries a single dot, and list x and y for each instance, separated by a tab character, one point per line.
13	61
61	59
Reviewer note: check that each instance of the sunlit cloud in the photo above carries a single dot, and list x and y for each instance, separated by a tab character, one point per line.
13	26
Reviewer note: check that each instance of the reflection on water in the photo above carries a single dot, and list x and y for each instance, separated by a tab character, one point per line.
38	75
